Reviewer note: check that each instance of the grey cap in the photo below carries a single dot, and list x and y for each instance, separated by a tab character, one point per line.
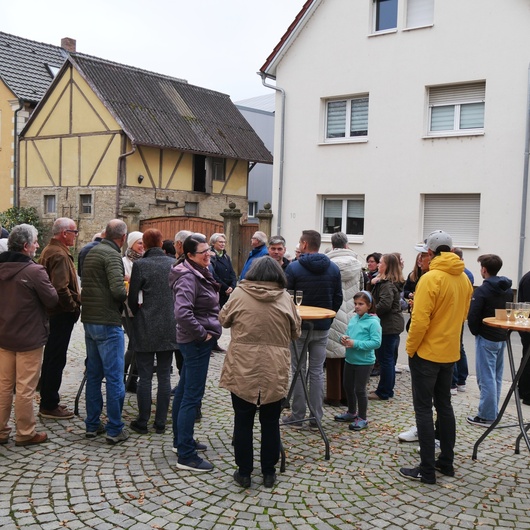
434	240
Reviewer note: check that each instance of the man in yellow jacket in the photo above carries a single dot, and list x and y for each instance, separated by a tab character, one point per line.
441	303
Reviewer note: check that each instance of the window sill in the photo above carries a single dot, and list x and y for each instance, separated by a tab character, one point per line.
352	239
384	32
338	141
452	134
418	27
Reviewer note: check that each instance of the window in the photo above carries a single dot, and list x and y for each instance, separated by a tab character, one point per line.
252	208
420	13
456	214
50	204
85	204
191	208
347	118
385	14
457	109
218	169
343	215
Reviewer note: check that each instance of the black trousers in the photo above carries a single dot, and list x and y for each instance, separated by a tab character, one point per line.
524	382
54	359
431	385
269	418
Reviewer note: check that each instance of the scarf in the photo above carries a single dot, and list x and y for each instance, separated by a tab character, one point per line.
208	276
132	254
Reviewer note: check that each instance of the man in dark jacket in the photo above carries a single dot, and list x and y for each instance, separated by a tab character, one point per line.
319	279
489	342
523	295
59	262
103	297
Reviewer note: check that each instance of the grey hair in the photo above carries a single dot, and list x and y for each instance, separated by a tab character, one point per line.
276	240
182	235
20	235
60	224
215	237
339	240
260	236
116	229
266	269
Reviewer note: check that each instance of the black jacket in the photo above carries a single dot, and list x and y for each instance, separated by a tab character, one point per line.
224	274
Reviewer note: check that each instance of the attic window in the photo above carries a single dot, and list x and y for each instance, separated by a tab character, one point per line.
54	70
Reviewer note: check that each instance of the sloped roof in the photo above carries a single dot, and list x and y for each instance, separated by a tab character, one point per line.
264	103
164	112
24	66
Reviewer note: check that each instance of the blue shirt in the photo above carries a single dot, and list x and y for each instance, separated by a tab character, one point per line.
366	334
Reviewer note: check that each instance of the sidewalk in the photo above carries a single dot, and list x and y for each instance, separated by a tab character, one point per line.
75	483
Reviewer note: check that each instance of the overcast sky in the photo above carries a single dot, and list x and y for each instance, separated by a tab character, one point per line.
216	44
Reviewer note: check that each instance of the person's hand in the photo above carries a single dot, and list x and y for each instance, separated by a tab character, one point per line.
346	341
208	337
229	290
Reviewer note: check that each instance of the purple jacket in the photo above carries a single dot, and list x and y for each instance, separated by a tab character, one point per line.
196	304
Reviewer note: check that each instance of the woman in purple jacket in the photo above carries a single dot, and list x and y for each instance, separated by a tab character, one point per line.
198	328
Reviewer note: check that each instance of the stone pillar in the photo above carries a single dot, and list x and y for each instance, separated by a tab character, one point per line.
131	216
265	219
232	217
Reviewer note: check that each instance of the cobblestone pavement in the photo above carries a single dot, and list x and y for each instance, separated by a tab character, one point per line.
72	482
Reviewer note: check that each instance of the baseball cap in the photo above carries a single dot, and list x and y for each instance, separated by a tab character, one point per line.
434	240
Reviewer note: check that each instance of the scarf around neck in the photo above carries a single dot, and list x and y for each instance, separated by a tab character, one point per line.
206	273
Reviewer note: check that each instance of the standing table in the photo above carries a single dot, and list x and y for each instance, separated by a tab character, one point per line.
308	314
509	326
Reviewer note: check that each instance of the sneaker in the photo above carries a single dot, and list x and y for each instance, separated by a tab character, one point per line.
269	480
415	474
436	446
58	413
97	432
289	421
409	436
136	427
198	447
121	437
346	417
461	388
477	420
244	482
358	425
39	438
195	463
159	430
448	471
454	391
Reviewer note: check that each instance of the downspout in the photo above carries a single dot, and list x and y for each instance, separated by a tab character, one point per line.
522	235
121	159
16	185
282	150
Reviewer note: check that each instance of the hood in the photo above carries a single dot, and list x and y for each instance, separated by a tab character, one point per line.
498	284
262	291
180	270
448	262
347	262
316	263
11	263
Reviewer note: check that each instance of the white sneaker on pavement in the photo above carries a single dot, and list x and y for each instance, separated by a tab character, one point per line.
436	446
409	436
461	388
454	391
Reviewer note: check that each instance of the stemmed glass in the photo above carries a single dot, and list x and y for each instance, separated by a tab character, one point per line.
509	309
299	297
525	312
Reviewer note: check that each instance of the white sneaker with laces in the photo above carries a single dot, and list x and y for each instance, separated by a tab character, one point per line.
461	388
436	446
409	436
454	391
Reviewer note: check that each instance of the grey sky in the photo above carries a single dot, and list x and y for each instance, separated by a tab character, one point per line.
216	44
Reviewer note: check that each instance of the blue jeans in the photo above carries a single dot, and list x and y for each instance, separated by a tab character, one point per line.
489	358
460	369
189	393
385	356
104	348
315	374
431	385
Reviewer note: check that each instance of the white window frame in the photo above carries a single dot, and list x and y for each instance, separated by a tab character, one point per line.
83	205
456	96
252	208
48	198
458	214
326	233
348	137
420	14
375	31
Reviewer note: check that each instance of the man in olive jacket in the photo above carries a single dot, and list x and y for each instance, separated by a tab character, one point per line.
103	297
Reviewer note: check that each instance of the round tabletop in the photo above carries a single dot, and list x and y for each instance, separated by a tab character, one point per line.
505	324
309	312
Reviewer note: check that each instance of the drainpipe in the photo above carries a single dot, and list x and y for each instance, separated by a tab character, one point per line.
522	235
282	149
121	159
15	155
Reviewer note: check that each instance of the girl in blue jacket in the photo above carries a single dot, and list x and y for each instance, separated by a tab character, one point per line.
363	337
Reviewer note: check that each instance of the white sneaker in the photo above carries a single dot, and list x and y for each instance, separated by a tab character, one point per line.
409	436
436	446
454	391
461	388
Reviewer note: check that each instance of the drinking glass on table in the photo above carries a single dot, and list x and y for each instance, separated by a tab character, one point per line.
509	309
517	312
299	297
525	312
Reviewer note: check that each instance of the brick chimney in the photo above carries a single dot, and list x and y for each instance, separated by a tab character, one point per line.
68	44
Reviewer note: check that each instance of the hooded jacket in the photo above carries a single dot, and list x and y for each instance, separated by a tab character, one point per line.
319	278
352	282
264	320
26	294
441	303
387	297
255	253
492	294
196	304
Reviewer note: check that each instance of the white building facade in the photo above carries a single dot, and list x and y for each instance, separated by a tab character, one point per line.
401	117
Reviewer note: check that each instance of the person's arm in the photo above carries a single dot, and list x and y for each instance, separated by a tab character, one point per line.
474	316
424	301
374	340
385	298
45	290
135	285
337	292
59	273
226	315
115	277
185	292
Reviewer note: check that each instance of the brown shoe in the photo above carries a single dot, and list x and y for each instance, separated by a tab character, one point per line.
373	395
39	438
59	413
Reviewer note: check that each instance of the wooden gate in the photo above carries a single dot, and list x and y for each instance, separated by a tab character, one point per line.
169	226
245	233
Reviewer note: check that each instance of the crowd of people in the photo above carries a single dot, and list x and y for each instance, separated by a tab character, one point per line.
171	298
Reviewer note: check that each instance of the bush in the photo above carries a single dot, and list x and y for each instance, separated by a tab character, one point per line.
18	215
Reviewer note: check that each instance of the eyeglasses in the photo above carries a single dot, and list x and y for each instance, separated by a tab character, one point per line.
203	252
76	232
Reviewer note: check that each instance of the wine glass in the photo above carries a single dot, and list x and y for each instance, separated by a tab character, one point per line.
517	310
509	309
299	297
526	312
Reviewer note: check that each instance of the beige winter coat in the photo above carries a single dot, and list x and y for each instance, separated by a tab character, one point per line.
263	321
